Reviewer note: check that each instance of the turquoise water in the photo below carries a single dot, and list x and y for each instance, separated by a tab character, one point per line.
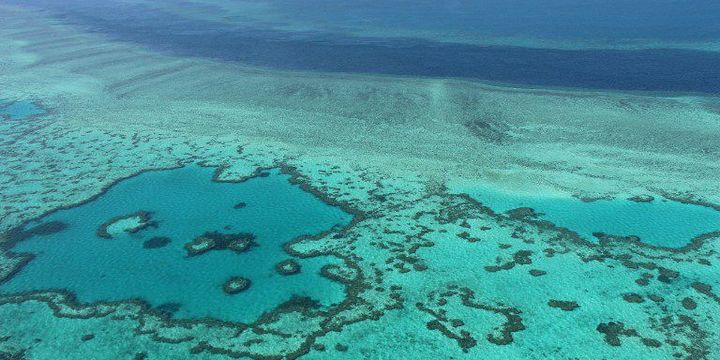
19	110
185	203
659	223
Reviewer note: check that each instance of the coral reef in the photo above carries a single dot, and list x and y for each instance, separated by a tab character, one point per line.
129	223
236	285
213	240
287	267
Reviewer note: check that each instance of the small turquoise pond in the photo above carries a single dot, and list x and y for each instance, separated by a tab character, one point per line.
186	204
660	222
19	110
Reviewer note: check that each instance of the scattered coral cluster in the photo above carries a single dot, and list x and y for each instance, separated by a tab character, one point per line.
239	243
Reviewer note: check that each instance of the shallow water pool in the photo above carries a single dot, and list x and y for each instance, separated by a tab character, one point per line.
19	110
183	204
660	222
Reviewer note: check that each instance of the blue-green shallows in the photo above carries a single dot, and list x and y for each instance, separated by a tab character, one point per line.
19	110
185	203
659	222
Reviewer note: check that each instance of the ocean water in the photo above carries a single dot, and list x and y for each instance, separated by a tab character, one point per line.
376	105
562	19
19	110
660	222
185	203
662	69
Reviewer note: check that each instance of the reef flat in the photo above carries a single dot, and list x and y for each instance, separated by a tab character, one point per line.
420	270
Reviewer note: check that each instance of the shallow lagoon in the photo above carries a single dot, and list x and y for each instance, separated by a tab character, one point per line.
185	204
19	110
660	222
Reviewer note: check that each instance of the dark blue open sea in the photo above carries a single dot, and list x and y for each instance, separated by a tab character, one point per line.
663	24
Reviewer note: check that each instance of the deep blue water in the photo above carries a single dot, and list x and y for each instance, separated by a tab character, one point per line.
185	203
615	20
666	70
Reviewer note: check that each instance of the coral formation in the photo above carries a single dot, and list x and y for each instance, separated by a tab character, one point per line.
236	285
213	240
287	267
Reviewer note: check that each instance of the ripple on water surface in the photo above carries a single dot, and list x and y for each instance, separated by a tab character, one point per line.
142	254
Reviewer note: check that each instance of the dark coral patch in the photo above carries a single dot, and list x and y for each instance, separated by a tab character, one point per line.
667	275
236	285
169	309
522	257
689	304
522	213
239	245
42	229
563	305
238	242
464	340
19	355
536	272
452	328
156	242
651	342
633	298
144	222
606	239
287	267
642	198
613	331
